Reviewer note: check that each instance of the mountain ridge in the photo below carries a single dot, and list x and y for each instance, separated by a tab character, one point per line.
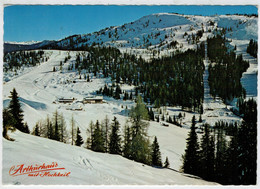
155	31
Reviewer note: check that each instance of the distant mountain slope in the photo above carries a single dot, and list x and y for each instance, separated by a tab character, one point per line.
12	46
147	31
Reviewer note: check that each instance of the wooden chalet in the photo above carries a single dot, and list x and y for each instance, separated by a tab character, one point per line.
93	100
66	100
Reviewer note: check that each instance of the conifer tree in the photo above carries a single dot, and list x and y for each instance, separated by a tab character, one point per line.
97	139
247	154
36	130
166	163
55	129
207	155
138	114
125	96
233	159
90	133
156	154
127	142
174	120
115	140
62	128
247	144
131	96
191	156
49	129
151	114
221	156
79	140
157	104
170	119
56	126
73	131
140	150
117	92
106	130
26	128
8	123
16	111
200	119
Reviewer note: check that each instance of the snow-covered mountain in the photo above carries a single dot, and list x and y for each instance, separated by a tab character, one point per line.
240	27
158	32
23	43
39	87
15	46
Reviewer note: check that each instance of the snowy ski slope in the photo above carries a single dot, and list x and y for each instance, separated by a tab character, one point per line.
39	87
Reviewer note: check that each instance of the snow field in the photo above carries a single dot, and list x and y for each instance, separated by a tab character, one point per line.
85	167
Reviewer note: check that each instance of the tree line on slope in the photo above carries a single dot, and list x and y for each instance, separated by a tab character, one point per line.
252	48
15	60
134	144
225	71
174	80
225	161
153	39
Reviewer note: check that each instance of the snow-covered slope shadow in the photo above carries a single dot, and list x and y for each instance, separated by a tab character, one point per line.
33	104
